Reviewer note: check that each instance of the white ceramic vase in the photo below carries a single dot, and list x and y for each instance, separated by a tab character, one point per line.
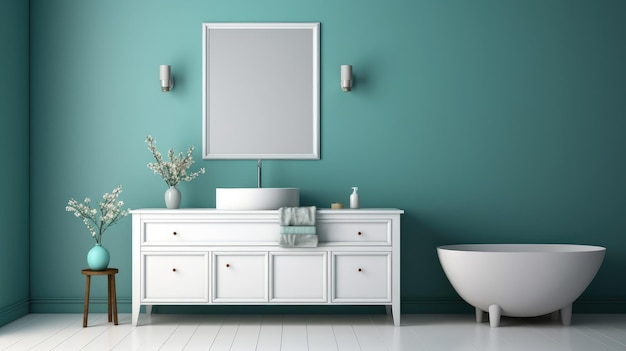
172	197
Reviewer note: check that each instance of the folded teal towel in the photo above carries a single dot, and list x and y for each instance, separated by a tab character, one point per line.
298	229
298	240
297	226
297	215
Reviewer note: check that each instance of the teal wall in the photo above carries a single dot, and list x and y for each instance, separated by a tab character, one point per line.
14	148
486	121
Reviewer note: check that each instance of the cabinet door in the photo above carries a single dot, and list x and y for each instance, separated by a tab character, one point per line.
175	277
362	277
239	277
298	277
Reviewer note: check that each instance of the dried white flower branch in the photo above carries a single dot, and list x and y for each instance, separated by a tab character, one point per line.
174	170
98	220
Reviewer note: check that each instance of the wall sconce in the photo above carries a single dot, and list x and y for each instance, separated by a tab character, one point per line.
167	83
346	77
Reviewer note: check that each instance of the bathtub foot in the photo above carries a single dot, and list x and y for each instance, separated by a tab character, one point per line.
494	316
566	315
479	315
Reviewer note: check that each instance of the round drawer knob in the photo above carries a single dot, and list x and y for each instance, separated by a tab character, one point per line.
360	270
174	233
173	269
359	233
228	265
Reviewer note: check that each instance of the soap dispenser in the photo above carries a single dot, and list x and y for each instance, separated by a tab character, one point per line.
354	197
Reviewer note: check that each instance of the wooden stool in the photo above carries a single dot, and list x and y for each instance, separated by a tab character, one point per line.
112	299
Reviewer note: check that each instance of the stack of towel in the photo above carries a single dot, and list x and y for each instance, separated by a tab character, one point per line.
297	226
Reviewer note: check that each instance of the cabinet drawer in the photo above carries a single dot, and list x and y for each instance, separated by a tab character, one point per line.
239	277
172	233
298	277
364	232
175	277
361	277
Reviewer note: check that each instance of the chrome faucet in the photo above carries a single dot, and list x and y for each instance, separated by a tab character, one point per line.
258	173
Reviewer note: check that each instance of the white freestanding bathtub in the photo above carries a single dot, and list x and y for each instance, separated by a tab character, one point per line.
520	280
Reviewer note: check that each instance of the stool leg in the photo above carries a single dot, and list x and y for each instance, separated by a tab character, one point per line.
114	299
86	309
109	297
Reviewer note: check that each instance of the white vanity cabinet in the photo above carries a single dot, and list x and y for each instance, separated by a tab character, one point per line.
228	257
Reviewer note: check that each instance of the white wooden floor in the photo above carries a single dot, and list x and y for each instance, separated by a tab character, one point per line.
311	332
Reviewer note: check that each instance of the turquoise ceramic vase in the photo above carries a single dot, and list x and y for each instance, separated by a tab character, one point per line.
98	258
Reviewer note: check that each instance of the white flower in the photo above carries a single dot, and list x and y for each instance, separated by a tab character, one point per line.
110	213
174	170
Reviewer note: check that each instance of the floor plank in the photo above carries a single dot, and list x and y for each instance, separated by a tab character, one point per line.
344	335
320	334
270	334
205	334
38	332
226	334
77	337
179	339
370	338
247	334
294	336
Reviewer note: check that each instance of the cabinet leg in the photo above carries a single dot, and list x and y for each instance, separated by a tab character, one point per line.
388	309
135	316
148	310
395	309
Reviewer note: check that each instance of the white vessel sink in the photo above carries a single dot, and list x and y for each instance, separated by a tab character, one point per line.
256	198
